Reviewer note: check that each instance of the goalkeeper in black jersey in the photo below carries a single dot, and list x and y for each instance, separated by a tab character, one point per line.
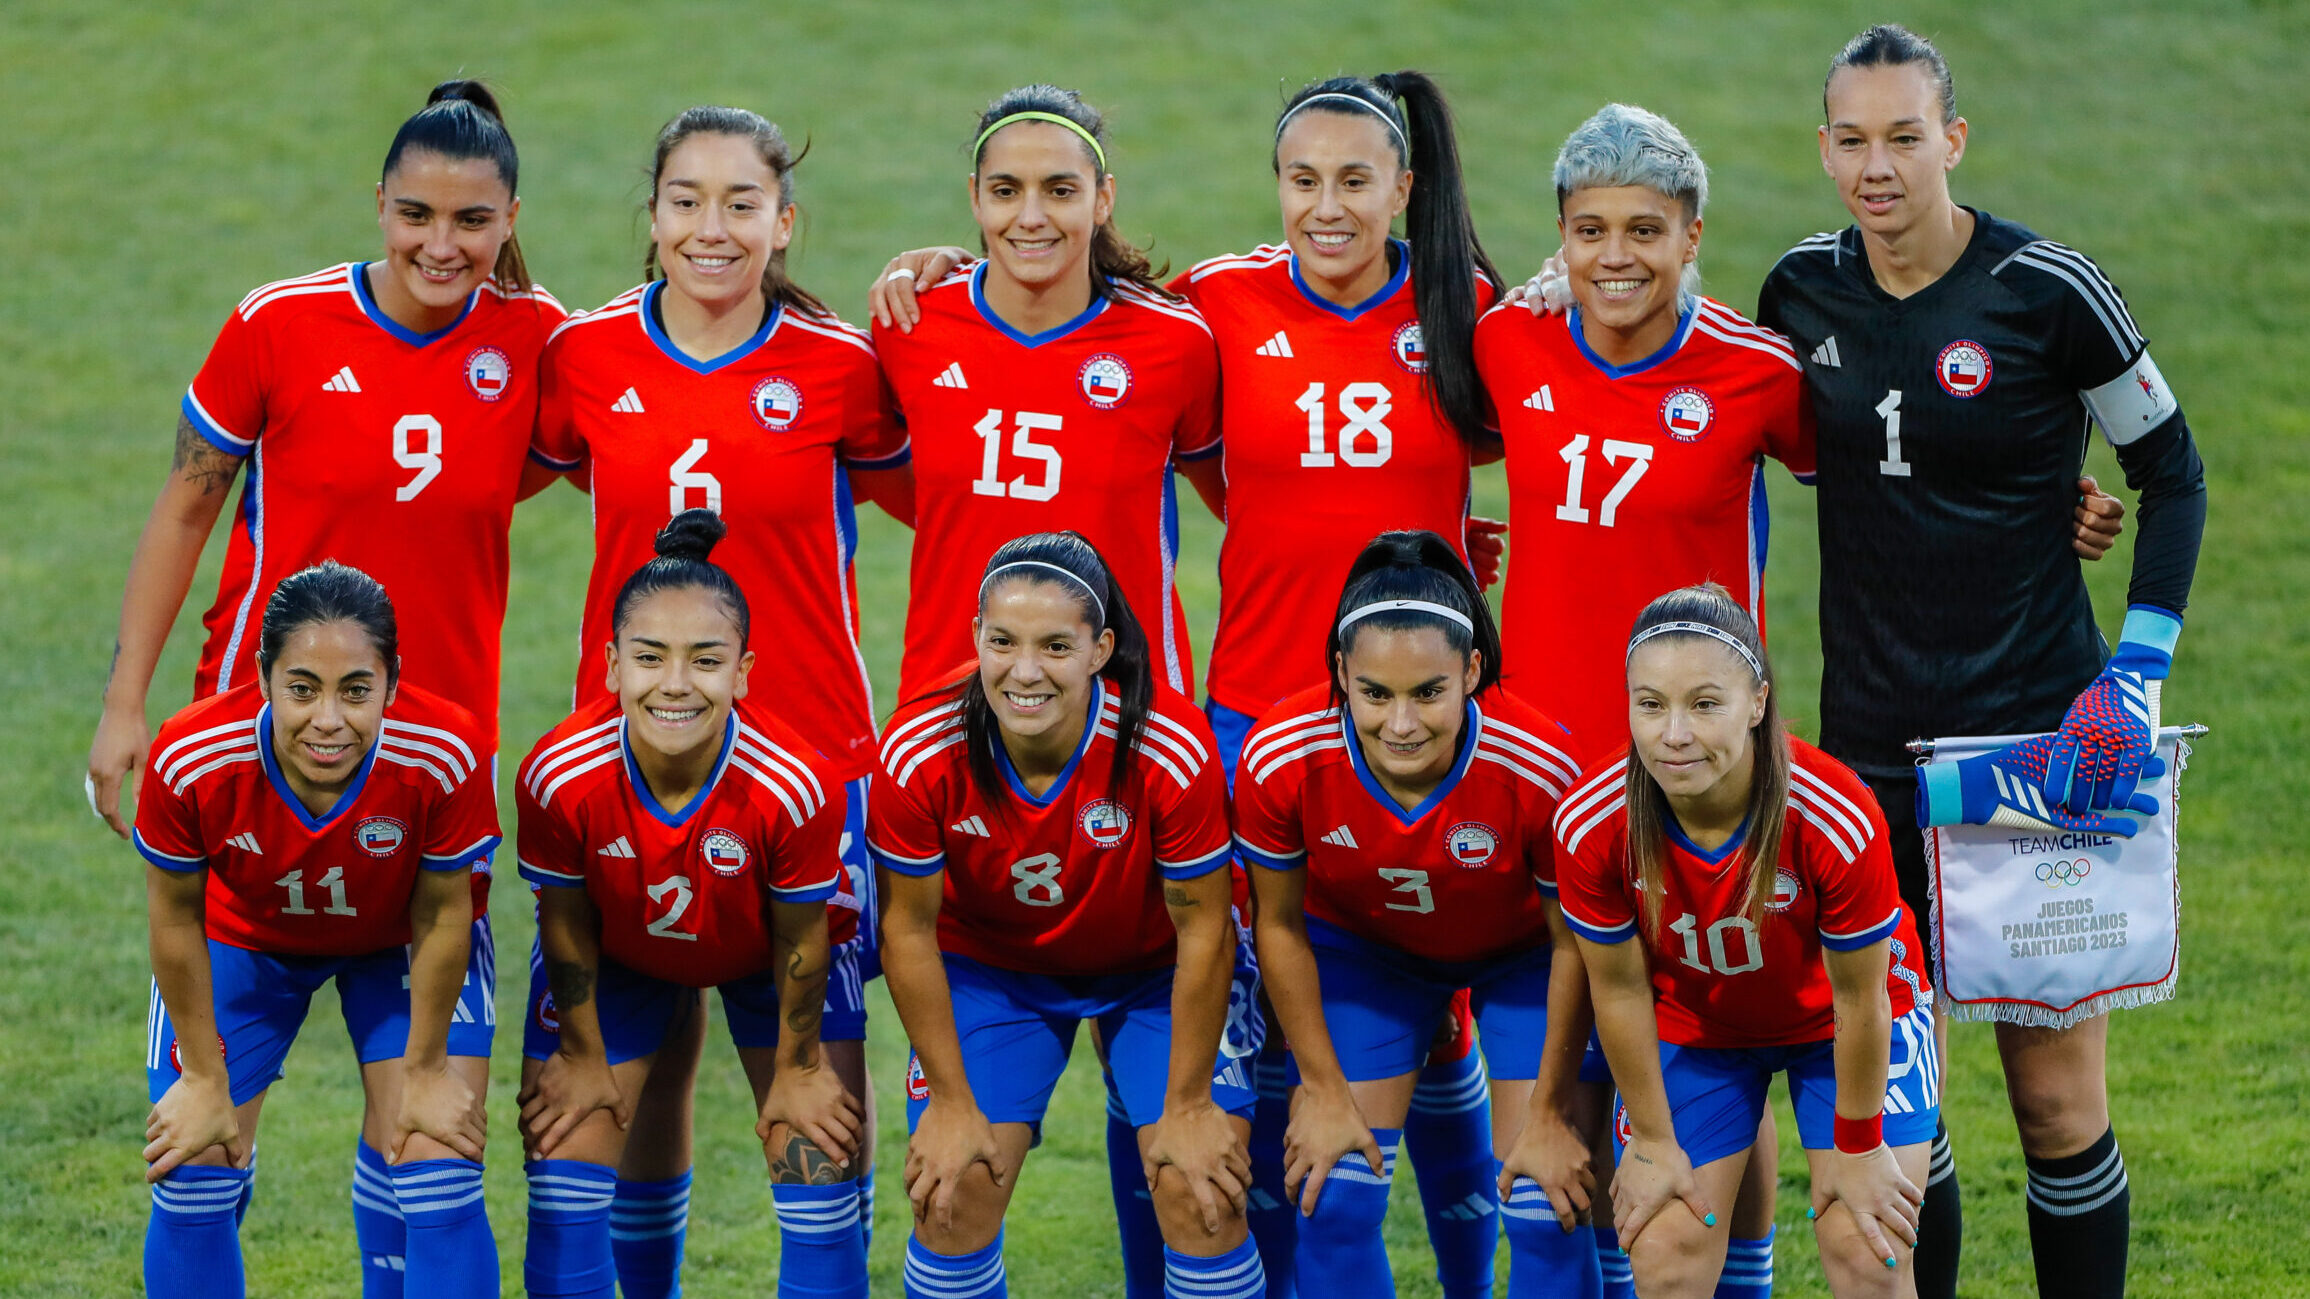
1956	363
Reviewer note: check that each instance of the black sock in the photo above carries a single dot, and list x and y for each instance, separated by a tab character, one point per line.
1940	1225
2080	1212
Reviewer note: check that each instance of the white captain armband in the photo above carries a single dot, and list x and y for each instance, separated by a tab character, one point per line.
2132	404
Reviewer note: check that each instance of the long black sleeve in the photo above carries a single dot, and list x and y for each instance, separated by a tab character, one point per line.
2163	470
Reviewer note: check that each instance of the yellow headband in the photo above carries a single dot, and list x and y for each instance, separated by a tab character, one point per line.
1052	118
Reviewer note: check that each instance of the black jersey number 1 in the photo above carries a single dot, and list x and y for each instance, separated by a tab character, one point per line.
1892	465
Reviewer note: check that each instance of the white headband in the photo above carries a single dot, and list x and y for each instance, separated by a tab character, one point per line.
1067	573
1406	606
1699	629
1386	119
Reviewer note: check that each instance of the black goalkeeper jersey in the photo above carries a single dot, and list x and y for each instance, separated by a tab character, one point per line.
1952	431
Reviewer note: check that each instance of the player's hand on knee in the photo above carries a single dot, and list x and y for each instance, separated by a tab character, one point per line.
814	1105
1549	1154
947	1141
1200	1142
567	1089
194	1116
113	759
2100	519
892	297
1883	1201
1651	1174
437	1103
1325	1127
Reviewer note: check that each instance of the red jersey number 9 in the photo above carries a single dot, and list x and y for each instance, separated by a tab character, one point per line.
417	445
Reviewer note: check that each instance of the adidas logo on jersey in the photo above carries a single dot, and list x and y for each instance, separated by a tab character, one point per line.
1342	838
1826	353
618	848
628	404
971	825
342	381
1276	346
246	842
1541	400
951	377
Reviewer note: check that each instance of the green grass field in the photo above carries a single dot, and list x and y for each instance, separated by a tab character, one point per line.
162	160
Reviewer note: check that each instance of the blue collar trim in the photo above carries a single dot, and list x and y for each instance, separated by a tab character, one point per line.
1472	721
1668	349
271	762
649	799
1677	836
979	300
653	324
1066	773
1399	252
377	316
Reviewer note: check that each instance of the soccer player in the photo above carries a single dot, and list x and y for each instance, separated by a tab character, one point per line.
1755	872
1398	823
316	822
1953	360
720	383
1051	385
1053	825
383	409
680	842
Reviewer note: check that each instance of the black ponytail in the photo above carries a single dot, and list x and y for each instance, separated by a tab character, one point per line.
1129	672
329	592
1446	255
1113	257
1414	565
461	119
683	546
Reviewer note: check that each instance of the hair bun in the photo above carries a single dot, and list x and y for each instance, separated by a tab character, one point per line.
692	534
472	92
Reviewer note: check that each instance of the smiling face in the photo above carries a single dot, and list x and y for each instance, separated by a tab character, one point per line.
1625	248
1887	148
677	668
1038	197
329	688
717	218
1037	655
444	221
1407	691
1340	187
1693	708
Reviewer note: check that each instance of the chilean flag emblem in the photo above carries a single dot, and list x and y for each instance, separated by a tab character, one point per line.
777	403
725	853
1963	368
1411	347
487	372
380	836
1106	380
1686	414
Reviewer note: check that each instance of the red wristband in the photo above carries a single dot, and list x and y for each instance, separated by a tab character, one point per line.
1860	1136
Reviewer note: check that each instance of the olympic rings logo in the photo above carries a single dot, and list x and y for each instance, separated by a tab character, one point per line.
2055	874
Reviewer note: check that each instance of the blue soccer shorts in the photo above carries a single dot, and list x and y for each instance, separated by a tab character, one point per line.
638	1010
1716	1095
261	1000
1383	1006
1231	729
858	865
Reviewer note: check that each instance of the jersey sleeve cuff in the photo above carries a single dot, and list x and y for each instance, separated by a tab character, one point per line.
463	857
167	861
822	891
1810	478
1858	939
895	460
548	879
224	439
1204	452
905	865
554	463
1600	933
1274	861
1196	867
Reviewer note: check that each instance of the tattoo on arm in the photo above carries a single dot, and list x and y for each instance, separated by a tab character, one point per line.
198	461
572	983
1175	896
804	1164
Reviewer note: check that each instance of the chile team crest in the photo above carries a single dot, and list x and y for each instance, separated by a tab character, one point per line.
917	1089
1106	380
1410	347
176	1057
548	1019
380	836
777	403
1686	413
1963	368
488	373
1105	823
1784	890
1471	843
725	853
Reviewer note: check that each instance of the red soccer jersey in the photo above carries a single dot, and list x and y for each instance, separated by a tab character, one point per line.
284	880
1070	882
681	891
761	435
1331	439
1625	483
1718	980
1072	428
397	453
1458	878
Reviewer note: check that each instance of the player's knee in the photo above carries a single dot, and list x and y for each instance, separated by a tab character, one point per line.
1854	1268
974	1220
1180	1215
2053	1117
1675	1256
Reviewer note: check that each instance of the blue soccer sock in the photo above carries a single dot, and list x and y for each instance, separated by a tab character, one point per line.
451	1251
1341	1252
1274	1219
1134	1206
1543	1258
865	1185
192	1246
248	1191
649	1224
976	1275
1619	1277
820	1253
1748	1268
1448	1136
569	1241
1235	1274
377	1226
